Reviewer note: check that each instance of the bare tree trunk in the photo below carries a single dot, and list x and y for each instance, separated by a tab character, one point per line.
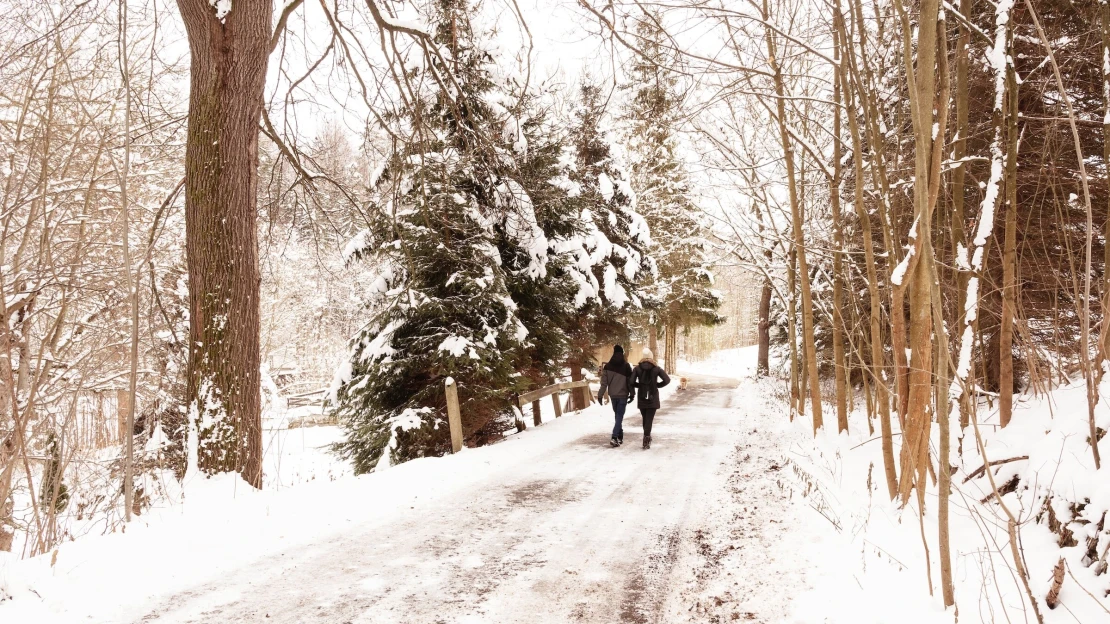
959	152
227	79
944	420
1009	252
870	101
670	362
653	338
799	229
763	361
924	99
129	272
7	466
1104	351
838	241
943	405
878	378
792	329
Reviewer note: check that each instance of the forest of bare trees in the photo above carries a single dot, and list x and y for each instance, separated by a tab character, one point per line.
929	214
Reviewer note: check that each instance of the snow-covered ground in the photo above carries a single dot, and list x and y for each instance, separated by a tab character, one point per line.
864	555
735	514
223	528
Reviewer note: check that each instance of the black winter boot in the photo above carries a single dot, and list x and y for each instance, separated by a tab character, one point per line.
647	441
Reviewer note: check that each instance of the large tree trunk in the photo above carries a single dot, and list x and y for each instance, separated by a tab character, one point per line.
228	75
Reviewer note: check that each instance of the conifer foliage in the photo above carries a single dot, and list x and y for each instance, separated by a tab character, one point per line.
444	306
616	238
683	293
504	249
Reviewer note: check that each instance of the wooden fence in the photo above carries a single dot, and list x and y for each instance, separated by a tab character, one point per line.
454	417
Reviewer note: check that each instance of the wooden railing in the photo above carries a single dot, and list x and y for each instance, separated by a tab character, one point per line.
454	418
553	391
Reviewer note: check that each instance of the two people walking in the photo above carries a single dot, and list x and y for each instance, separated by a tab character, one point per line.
625	384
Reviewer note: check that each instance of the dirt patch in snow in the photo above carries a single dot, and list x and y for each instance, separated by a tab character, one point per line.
646	589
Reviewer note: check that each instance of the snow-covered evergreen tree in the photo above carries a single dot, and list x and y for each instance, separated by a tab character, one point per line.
683	293
617	262
546	300
444	306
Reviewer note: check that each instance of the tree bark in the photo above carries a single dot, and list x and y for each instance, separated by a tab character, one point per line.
763	361
924	99
131	280
1104	351
670	362
227	79
1009	252
959	152
838	250
943	402
792	329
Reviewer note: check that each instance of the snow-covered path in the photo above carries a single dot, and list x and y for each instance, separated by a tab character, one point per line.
579	533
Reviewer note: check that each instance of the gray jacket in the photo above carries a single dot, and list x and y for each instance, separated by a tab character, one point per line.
615	379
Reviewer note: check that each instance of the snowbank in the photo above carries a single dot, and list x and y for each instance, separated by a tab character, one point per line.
865	556
222	524
882	567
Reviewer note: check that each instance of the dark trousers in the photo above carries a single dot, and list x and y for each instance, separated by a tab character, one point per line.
619	405
649	415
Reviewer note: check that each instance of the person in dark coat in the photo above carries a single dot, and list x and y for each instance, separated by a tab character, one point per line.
647	378
615	380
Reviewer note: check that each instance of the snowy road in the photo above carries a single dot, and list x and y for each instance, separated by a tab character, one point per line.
577	533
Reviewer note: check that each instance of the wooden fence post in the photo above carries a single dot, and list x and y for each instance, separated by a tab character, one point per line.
536	413
454	419
558	407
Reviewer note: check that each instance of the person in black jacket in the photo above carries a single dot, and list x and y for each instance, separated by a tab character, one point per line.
647	379
615	380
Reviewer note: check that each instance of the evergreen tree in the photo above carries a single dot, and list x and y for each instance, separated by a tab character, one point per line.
546	300
683	293
616	237
444	303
